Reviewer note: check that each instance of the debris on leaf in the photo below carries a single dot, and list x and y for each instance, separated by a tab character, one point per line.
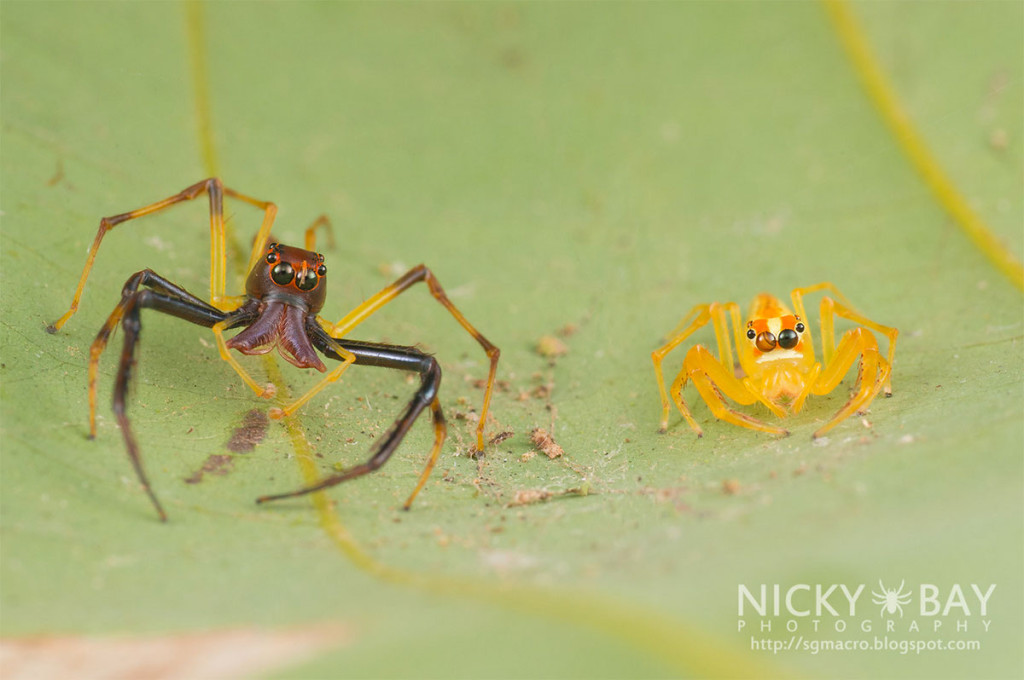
542	391
531	496
550	347
730	487
250	433
545	443
500	437
217	464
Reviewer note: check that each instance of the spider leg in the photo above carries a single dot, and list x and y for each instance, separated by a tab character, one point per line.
830	308
697	318
266	391
314	329
798	403
385	356
712	380
162	296
413	276
321	221
841	306
216	191
195	310
873	373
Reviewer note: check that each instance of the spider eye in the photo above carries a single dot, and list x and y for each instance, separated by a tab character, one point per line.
282	274
788	339
751	334
321	270
306	280
271	258
800	328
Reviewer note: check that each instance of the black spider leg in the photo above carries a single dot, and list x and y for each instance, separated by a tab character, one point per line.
383	356
163	296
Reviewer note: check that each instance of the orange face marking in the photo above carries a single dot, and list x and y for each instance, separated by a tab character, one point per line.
767	306
774	331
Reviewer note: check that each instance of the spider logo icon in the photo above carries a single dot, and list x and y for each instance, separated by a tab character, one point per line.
891	599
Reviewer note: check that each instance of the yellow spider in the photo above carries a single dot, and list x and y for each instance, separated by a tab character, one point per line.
776	356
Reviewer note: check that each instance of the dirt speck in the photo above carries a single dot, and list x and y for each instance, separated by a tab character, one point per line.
998	139
540	437
499	385
250	433
730	487
568	330
58	175
550	347
500	437
531	496
217	464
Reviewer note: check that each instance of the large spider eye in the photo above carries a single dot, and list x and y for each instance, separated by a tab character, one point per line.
751	334
766	341
800	328
306	280
788	339
282	274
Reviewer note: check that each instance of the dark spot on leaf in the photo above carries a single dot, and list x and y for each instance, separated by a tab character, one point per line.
216	464
250	433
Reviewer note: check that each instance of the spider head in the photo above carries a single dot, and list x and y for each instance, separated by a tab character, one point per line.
292	275
774	332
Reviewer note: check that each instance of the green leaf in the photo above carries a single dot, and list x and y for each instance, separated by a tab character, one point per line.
600	168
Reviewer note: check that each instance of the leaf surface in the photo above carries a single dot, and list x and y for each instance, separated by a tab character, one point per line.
593	170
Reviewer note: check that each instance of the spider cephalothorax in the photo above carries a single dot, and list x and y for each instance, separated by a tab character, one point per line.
285	290
776	361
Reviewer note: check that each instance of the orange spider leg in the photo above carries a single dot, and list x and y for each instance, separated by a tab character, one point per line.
218	256
321	221
266	391
348	358
413	276
440	432
830	308
827	336
873	373
95	350
756	390
798	403
145	278
695	319
259	243
216	191
840	306
712	380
